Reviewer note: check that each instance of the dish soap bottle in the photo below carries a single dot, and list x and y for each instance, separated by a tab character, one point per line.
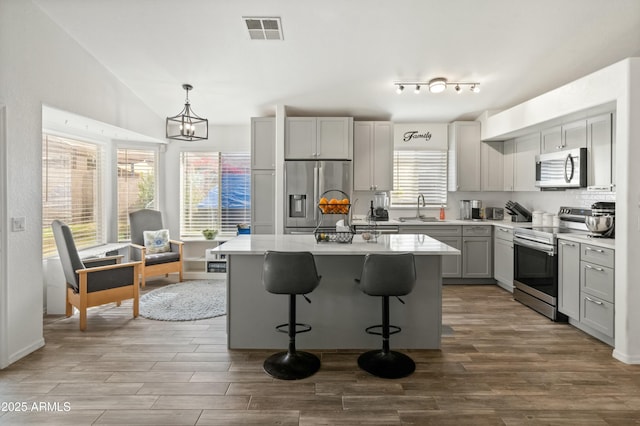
441	212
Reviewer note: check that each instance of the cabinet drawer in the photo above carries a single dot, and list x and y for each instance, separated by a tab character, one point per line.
476	230
433	231
597	314
597	280
504	233
598	255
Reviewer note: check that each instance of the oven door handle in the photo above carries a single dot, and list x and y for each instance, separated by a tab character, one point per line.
550	250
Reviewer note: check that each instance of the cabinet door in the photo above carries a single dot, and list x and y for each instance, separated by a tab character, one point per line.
464	152
334	138
477	259
569	278
263	143
263	185
300	138
382	156
491	165
451	265
362	155
503	262
551	140
574	135
508	158
524	166
600	138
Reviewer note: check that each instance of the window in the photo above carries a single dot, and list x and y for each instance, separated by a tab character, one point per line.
418	172
71	190
215	192
136	185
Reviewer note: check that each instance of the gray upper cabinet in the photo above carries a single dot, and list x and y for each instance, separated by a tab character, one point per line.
508	158
524	165
464	156
492	166
263	143
318	138
601	152
568	136
372	155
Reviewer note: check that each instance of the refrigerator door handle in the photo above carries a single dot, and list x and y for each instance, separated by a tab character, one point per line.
316	190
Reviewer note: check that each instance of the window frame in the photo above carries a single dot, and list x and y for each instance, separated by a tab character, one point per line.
411	201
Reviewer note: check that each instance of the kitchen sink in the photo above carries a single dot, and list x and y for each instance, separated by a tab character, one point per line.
419	219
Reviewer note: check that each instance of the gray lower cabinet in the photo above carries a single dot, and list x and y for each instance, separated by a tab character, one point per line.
569	278
586	288
503	257
451	235
477	251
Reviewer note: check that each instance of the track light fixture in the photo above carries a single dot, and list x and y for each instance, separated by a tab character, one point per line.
437	85
187	126
417	90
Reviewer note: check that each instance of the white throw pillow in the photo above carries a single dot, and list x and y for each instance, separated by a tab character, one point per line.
157	241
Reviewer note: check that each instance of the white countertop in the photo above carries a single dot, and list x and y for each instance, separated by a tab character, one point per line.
395	243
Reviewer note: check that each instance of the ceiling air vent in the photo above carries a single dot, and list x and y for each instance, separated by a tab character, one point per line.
263	28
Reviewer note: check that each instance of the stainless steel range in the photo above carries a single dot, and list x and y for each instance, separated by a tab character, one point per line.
536	261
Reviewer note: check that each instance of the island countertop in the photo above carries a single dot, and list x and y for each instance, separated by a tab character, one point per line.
417	244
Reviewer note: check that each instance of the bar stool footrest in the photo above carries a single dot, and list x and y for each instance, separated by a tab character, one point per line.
392	330
291	365
388	365
284	328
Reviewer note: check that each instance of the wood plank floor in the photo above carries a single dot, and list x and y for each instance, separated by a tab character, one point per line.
500	364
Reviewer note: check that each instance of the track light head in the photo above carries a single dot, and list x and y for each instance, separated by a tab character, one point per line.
399	88
458	89
417	89
475	88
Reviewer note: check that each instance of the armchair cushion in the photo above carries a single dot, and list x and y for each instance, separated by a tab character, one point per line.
157	241
158	258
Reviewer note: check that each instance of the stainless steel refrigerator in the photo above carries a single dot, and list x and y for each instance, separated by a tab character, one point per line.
305	183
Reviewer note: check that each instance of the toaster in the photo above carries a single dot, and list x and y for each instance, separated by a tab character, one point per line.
494	213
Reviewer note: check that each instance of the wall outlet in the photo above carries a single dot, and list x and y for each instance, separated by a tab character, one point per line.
18	224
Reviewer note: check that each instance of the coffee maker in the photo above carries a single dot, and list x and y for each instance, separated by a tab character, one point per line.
380	206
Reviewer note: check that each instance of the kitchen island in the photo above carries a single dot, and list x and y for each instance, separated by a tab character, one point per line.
339	312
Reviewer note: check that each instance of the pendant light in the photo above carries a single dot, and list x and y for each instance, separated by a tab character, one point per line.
187	125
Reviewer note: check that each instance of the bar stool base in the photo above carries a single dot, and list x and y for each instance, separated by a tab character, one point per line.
390	365
291	366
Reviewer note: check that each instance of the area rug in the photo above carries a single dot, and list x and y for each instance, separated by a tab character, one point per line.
186	301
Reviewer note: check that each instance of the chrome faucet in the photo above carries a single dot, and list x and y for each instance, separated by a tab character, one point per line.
418	206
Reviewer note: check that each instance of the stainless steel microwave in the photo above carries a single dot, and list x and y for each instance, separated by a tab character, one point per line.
562	169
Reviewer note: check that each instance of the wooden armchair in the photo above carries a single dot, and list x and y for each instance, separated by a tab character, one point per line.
153	263
94	282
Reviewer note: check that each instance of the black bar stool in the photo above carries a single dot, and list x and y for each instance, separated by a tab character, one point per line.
291	273
387	275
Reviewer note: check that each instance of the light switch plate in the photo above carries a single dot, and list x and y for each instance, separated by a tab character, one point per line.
18	224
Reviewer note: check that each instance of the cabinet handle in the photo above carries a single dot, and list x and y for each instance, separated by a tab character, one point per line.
596	250
558	146
597	302
568	244
593	267
503	229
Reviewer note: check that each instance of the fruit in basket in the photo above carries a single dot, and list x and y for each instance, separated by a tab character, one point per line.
345	206
323	204
333	206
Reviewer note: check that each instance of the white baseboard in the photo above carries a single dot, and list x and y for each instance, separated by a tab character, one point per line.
25	351
627	359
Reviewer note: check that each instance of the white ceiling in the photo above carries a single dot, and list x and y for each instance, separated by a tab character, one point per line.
341	57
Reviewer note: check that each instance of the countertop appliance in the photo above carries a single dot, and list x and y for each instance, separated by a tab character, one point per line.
562	169
535	261
305	182
517	212
494	213
380	205
465	209
476	210
602	211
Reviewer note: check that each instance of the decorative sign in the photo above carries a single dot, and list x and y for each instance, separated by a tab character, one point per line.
419	136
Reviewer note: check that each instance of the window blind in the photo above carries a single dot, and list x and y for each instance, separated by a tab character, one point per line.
136	169
418	172
215	192
72	176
